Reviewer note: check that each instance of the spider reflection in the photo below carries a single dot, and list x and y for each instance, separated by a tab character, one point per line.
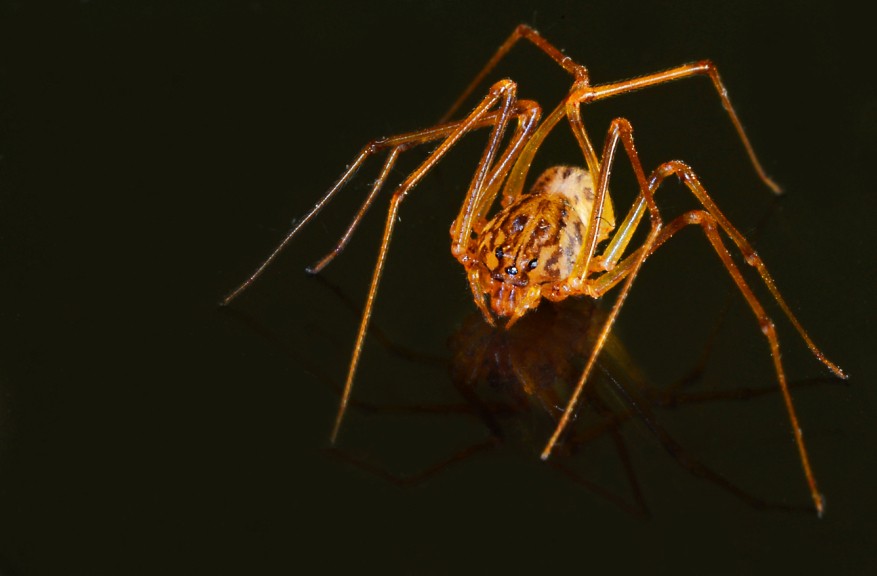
514	382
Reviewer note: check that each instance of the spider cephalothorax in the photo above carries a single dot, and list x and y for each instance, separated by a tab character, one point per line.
530	248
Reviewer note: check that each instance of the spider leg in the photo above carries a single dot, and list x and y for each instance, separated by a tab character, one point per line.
526	112
687	176
710	226
583	93
711	219
396	144
348	234
622	236
524	131
522	31
702	68
489	176
502	93
580	284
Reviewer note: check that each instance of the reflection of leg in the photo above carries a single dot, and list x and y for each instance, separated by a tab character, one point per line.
673	396
610	426
419	476
701	470
639	409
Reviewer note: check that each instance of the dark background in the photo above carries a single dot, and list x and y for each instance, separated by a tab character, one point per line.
150	154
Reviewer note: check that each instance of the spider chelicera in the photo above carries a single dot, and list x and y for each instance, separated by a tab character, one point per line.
560	238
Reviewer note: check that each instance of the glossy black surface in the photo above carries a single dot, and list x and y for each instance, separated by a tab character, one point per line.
151	155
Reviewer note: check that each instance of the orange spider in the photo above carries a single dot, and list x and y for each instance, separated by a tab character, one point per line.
544	243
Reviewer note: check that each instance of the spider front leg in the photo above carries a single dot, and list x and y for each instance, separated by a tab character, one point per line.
502	93
524	111
496	110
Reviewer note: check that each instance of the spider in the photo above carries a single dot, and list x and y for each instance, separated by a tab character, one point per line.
559	239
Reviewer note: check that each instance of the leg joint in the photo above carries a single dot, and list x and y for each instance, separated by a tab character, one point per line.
706	66
621	124
767	327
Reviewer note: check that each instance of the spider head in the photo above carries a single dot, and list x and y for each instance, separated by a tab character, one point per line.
502	300
507	276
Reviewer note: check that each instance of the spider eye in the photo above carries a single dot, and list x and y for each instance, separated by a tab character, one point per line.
532	264
511	270
499	253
